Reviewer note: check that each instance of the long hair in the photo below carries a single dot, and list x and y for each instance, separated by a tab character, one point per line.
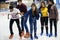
43	3
51	1
20	0
36	11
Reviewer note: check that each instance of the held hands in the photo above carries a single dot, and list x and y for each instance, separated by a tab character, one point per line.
22	13
52	6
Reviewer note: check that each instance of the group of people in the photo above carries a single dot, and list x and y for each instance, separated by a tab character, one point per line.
33	14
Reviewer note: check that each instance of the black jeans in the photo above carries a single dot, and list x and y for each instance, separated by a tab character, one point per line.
55	25
44	21
17	22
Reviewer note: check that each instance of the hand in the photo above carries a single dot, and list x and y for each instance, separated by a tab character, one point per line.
52	6
8	16
21	13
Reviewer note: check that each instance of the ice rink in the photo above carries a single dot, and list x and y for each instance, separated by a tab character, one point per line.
4	29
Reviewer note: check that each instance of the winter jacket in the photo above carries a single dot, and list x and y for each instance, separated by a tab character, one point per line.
31	15
53	12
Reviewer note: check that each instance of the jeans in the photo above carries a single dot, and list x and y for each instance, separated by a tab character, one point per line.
33	24
23	23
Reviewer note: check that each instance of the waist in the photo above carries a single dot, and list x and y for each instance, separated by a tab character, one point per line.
45	16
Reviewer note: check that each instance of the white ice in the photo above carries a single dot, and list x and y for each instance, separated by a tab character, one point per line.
4	29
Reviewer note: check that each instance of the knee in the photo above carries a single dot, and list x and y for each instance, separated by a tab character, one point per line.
31	28
42	25
46	25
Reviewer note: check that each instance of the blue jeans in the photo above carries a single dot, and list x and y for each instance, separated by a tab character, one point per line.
33	23
23	23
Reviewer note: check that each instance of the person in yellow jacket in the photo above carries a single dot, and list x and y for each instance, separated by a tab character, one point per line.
44	18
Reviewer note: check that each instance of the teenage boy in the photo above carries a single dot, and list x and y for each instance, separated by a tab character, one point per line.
14	17
23	9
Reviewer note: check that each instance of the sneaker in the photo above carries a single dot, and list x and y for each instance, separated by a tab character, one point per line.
11	36
50	35
36	37
41	33
46	34
22	34
27	35
55	35
31	37
20	37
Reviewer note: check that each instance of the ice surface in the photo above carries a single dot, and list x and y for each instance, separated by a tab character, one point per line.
4	29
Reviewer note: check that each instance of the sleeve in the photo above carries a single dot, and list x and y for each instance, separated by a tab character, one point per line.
39	11
37	16
29	12
56	11
24	8
48	9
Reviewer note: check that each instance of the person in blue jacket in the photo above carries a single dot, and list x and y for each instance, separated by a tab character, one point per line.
33	17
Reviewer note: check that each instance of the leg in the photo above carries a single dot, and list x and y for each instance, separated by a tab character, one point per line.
22	23
31	30
46	25
55	26
18	25
11	23
50	27
35	30
42	25
25	25
11	31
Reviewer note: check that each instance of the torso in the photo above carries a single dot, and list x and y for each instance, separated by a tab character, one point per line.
44	12
13	14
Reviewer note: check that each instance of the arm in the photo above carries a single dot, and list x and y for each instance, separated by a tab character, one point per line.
39	11
56	11
18	12
53	6
37	16
21	13
8	15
